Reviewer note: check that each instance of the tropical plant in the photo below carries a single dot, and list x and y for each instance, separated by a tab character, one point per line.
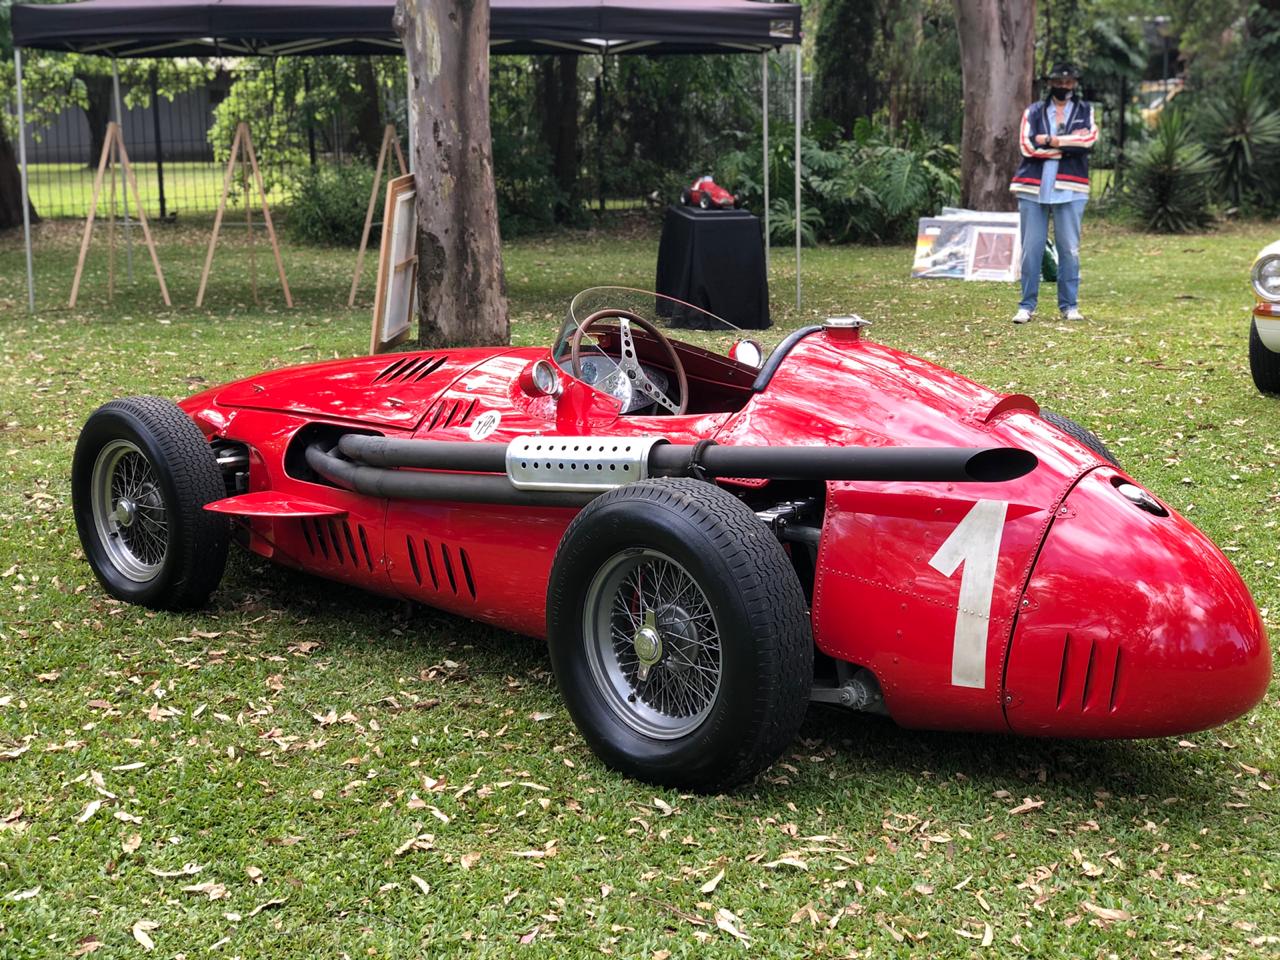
782	223
1169	187
1242	132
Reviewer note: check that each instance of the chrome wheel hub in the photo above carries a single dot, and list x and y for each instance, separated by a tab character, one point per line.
648	646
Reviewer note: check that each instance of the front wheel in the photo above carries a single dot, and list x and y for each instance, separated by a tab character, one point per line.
141	476
679	635
1264	363
704	201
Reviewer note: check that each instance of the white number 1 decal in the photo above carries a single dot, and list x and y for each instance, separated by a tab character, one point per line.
976	544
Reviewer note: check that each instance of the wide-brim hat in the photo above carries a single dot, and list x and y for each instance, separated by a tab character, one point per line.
1064	71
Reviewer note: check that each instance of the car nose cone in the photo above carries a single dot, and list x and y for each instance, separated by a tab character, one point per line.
1133	624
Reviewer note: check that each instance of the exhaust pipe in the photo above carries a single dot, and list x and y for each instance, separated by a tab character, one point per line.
586	459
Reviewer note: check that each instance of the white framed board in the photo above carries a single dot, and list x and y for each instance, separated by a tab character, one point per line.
395	300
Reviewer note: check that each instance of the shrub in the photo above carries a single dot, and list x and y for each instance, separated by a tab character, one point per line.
865	188
1242	131
328	206
1169	185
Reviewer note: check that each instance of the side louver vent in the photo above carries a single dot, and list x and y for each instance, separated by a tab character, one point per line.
453	574
1089	676
451	413
336	542
411	369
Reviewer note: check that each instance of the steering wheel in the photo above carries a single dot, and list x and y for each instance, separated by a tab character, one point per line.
628	362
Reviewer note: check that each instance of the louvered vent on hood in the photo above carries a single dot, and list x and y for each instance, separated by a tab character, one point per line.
411	369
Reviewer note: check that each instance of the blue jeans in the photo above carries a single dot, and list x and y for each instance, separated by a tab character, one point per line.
1034	220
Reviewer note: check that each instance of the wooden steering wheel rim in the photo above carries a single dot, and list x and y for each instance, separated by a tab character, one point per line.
575	348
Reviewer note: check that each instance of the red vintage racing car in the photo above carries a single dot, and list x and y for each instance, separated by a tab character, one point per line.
708	195
708	542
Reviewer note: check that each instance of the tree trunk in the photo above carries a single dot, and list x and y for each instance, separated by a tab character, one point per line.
99	94
461	294
368	111
997	50
557	86
11	186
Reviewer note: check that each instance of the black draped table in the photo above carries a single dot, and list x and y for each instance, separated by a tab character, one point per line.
714	259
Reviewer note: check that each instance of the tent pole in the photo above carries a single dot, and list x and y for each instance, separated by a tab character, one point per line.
26	201
764	112
124	192
410	115
799	120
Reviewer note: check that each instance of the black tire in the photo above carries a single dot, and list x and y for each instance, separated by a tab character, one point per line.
1082	434
744	578
1264	363
686	198
134	559
704	201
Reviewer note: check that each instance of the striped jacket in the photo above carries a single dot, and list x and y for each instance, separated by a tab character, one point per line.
1073	168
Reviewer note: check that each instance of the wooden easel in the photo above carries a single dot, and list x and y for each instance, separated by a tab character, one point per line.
248	161
389	139
115	154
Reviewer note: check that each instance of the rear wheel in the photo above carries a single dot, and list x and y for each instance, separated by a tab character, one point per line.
1080	433
679	635
141	476
686	197
1264	363
704	201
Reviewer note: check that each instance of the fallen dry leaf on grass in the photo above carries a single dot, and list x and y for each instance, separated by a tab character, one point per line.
132	843
87	946
23	894
90	808
266	906
1106	914
727	922
710	885
188	870
141	932
420	883
15	753
1027	805
214	891
793	862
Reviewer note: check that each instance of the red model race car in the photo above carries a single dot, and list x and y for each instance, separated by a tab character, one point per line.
708	195
707	542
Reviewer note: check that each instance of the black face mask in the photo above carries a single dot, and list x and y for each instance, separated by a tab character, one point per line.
1059	93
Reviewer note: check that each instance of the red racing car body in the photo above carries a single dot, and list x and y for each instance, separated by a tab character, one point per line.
707	544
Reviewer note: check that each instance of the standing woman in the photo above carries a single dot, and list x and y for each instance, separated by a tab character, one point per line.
1053	181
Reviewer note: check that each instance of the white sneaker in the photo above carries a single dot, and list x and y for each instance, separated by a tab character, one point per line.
1022	316
1072	314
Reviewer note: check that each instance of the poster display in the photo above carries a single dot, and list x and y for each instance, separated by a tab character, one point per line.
968	245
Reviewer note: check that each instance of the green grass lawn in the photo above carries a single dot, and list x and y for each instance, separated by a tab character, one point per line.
304	771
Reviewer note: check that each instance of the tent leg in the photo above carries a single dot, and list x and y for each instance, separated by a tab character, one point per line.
799	121
26	199
764	113
124	192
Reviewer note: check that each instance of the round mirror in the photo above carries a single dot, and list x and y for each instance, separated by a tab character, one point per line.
748	352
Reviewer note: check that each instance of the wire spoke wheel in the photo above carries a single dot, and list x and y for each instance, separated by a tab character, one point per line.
652	643
129	512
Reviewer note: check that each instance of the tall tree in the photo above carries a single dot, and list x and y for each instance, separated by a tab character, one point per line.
557	89
997	49
845	86
461	294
